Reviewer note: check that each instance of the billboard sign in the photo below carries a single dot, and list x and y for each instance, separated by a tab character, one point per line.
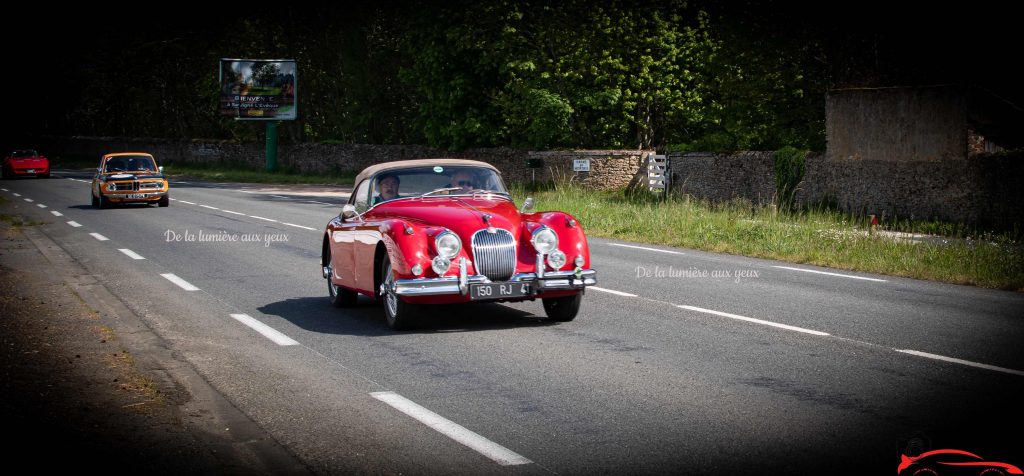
258	89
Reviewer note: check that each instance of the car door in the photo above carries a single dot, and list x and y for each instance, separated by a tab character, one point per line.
345	236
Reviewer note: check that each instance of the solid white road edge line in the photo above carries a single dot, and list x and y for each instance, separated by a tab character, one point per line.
262	218
267	331
235	213
190	203
612	291
488	448
180	282
756	321
831	274
74	223
648	249
960	361
211	208
131	254
99	236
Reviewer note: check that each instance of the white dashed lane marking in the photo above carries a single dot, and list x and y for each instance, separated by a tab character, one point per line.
74	223
99	236
755	321
459	433
180	282
831	274
131	254
612	291
648	249
267	331
960	361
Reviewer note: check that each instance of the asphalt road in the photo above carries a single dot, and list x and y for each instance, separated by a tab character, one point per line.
680	360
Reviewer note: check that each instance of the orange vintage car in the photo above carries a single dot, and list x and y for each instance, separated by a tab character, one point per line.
129	177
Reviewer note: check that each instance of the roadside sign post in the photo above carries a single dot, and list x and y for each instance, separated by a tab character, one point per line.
260	90
271	146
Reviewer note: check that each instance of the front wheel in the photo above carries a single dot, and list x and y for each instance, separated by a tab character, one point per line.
164	201
563	309
95	201
399	313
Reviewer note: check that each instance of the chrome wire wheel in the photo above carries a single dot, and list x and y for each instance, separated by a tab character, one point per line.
399	313
390	299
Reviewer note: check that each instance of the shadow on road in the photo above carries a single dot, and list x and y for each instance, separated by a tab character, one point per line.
367	318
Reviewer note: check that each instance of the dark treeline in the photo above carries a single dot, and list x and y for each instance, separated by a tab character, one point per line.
582	74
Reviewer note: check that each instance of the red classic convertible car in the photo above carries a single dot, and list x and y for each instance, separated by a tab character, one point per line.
25	162
445	231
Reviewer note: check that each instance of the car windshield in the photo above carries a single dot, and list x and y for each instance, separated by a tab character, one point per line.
417	181
130	163
24	153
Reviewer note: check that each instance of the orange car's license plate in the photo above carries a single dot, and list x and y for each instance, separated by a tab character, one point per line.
498	290
136	195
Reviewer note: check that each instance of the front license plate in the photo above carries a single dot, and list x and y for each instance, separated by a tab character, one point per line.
30	171
498	290
136	195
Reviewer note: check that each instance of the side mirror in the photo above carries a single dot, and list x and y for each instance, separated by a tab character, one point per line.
161	169
527	205
348	212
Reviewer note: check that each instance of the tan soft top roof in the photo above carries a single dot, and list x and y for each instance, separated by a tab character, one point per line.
406	164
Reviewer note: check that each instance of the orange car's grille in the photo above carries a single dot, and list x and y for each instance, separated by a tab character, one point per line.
494	254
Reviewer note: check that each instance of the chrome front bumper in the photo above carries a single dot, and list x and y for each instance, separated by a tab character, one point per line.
549	281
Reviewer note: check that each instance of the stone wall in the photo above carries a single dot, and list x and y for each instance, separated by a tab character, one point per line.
983	189
724	177
609	169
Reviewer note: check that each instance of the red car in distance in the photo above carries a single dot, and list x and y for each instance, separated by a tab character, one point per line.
445	231
26	162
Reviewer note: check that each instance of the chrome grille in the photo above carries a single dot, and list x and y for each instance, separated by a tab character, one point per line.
494	254
125	185
150	185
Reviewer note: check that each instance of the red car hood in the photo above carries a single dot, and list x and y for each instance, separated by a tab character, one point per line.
463	215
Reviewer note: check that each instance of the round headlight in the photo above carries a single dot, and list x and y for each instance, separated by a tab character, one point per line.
556	259
111	187
544	240
440	265
447	244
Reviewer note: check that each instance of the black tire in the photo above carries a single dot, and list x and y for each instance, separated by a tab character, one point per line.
164	201
104	202
399	313
339	296
563	309
95	201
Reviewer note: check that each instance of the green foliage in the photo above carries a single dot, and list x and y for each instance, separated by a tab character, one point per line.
463	74
789	172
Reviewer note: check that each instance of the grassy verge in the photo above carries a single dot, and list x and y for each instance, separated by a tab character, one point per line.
819	237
